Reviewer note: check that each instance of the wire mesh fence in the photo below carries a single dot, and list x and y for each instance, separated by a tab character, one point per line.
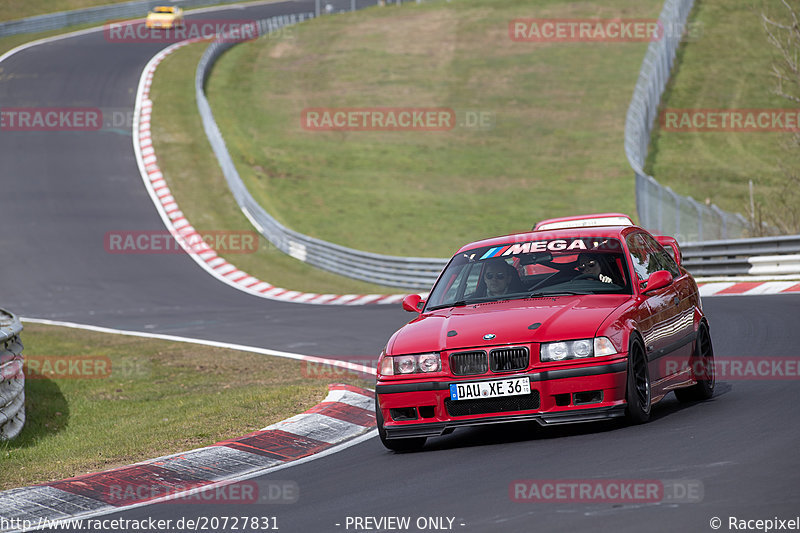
660	209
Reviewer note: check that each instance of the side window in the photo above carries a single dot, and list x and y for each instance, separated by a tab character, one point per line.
455	288
640	258
661	259
473	278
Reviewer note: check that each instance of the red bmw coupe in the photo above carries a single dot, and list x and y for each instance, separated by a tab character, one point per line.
582	319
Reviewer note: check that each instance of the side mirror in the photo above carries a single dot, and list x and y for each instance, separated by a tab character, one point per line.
658	280
413	303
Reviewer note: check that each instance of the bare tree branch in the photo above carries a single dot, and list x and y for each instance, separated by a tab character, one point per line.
783	34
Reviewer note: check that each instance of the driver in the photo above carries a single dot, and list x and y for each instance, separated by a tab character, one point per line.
589	264
498	276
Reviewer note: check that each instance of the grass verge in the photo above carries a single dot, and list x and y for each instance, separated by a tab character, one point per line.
20	9
555	148
197	183
728	66
160	398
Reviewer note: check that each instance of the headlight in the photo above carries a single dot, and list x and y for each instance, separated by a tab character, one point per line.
429	362
579	349
405	364
582	348
554	351
410	364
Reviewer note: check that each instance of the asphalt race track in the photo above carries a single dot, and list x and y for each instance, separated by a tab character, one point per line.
63	191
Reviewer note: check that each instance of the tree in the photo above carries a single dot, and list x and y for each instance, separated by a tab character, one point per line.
783	33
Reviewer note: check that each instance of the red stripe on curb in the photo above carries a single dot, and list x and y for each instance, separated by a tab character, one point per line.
278	444
176	474
348	413
793	288
129	485
739	288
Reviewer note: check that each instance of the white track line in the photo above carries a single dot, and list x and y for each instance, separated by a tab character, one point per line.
216	344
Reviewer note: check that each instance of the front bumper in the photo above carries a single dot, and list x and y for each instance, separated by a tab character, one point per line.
161	24
556	398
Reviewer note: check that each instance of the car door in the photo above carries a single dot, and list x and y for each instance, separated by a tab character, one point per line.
660	318
679	351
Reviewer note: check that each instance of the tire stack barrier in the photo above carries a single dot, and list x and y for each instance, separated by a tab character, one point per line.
12	378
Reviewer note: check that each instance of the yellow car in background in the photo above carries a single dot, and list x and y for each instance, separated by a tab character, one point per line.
165	17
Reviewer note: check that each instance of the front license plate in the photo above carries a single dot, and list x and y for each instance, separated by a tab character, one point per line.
490	389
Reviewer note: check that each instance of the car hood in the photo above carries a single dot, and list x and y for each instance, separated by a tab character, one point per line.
512	321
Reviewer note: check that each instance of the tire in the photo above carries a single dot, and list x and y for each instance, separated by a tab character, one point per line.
637	393
702	360
411	444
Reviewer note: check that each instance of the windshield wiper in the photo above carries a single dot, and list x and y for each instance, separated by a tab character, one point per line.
557	293
460	303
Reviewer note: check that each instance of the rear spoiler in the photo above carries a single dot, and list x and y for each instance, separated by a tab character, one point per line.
584	221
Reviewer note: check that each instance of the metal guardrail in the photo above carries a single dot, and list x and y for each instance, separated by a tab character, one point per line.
721	257
761	255
12	378
660	209
63	19
393	271
775	265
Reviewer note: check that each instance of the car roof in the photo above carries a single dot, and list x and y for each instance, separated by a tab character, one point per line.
615	232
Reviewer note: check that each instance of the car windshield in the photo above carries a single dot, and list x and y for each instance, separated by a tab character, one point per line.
164	10
586	265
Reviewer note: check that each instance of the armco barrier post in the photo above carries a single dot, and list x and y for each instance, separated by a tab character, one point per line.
12	378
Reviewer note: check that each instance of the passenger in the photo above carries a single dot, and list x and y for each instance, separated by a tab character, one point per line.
594	265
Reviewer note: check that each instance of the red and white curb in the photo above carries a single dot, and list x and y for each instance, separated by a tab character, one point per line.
183	231
744	287
345	417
